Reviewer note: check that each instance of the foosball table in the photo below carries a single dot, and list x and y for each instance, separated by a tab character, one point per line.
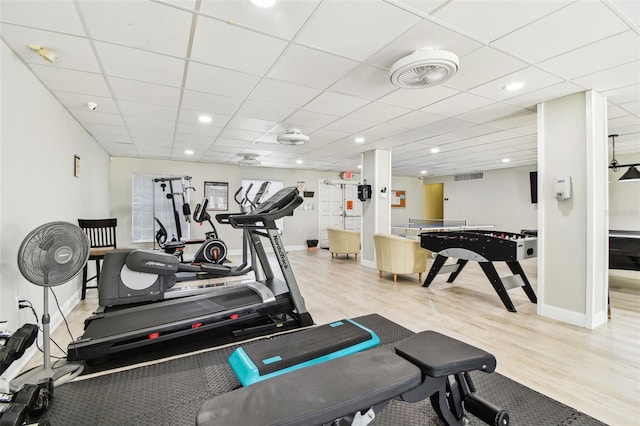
484	247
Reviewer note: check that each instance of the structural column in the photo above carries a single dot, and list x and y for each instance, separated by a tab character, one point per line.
376	212
573	232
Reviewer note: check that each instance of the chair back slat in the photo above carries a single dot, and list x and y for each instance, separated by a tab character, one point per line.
101	232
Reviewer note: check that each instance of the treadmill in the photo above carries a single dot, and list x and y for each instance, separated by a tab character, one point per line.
270	302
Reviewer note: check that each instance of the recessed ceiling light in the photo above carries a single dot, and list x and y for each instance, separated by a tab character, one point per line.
205	119
299	161
423	172
359	166
435	150
512	87
263	4
506	160
359	139
188	151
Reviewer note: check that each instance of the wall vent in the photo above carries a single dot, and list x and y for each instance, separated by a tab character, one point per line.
468	176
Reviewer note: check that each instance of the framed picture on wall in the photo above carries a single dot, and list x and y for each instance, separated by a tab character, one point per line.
218	195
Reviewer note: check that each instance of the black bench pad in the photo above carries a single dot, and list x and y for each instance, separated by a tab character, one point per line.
439	355
316	394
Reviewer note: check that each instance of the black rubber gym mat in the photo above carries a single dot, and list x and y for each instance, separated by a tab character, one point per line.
170	393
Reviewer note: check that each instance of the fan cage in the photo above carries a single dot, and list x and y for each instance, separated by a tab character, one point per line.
53	253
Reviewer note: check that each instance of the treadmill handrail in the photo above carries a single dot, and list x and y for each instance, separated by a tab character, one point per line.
281	204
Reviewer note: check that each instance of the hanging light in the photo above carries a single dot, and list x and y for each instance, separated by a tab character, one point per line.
632	174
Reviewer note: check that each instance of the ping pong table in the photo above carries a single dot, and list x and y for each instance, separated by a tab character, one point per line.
415	227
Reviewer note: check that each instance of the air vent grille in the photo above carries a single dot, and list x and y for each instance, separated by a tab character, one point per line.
468	176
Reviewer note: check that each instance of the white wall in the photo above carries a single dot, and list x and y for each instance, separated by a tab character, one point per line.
624	197
414	203
39	140
303	225
502	198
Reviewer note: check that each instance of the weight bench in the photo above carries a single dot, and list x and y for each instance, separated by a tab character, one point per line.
352	389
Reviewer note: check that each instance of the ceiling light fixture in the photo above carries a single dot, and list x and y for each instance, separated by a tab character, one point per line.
632	174
292	137
359	139
435	150
506	160
512	87
47	55
423	172
188	151
263	4
423	68
249	160
205	119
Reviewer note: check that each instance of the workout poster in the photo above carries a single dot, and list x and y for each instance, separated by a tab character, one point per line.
218	195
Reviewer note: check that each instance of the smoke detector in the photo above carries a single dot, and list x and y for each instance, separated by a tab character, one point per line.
293	137
249	160
423	68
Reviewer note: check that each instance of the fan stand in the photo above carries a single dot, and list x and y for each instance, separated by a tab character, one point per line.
59	375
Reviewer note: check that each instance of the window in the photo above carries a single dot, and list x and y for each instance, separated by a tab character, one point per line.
161	198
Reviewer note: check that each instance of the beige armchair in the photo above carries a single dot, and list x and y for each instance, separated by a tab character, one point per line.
399	255
342	241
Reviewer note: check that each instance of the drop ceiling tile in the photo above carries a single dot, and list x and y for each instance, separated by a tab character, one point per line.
283	94
423	35
533	78
624	94
458	104
220	81
190	119
631	107
235	143
284	19
136	24
367	25
418	98
58	79
531	99
199	130
244	135
60	16
250	52
414	119
73	52
497	136
630	9
612	78
349	125
309	121
489	20
483	65
490	113
149	93
135	64
475	131
381	131
613	51
75	101
327	135
264	111
86	117
378	112
138	109
150	128
208	103
114	139
299	65
253	124
335	104
588	22
365	82
104	129
449	125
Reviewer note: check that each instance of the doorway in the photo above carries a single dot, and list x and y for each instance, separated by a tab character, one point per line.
339	207
434	201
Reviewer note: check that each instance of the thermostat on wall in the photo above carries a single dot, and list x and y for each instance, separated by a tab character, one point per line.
562	187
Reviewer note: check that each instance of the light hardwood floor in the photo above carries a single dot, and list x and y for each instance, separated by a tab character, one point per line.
595	371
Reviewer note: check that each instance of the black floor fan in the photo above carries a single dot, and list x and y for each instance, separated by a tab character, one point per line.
52	254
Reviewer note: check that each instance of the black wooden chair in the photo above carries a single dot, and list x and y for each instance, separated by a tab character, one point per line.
102	235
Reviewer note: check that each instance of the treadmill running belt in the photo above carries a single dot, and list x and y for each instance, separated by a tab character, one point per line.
125	321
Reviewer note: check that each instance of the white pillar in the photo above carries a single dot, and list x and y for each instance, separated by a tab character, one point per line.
573	233
376	212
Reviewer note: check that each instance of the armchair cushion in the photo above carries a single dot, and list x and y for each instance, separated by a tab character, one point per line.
342	241
399	255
